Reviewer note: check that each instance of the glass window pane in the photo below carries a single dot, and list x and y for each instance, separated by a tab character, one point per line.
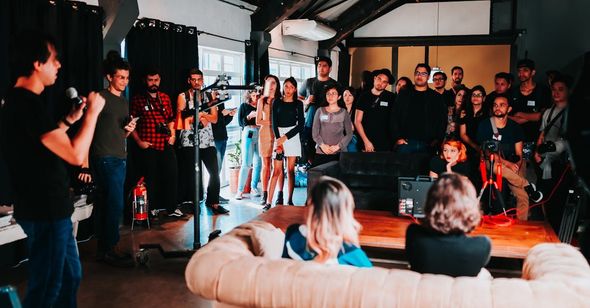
214	62
228	64
274	68
296	71
285	70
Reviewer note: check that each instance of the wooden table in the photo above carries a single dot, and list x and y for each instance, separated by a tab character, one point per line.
382	229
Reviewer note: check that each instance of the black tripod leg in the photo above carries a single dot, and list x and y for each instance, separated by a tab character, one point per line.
499	197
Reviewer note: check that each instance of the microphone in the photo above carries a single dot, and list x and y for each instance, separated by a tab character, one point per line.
73	97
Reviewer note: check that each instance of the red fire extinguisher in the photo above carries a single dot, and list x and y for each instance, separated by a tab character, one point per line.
140	201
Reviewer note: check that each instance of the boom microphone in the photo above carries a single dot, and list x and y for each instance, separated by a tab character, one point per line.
72	95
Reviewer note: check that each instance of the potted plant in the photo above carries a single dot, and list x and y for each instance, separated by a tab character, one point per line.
235	160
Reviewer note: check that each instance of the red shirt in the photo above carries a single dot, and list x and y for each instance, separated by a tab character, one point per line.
152	112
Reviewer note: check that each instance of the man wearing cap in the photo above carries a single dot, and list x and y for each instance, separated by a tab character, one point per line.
373	114
313	94
419	120
529	101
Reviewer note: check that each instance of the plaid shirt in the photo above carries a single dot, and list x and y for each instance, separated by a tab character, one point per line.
152	111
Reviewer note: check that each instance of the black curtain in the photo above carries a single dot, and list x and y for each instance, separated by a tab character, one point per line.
77	29
168	47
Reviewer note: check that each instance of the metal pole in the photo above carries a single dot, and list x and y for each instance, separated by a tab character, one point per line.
197	173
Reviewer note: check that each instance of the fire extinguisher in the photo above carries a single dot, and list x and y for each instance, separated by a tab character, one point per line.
140	201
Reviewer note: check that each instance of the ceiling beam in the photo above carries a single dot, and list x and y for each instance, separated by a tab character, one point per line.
357	15
272	13
441	40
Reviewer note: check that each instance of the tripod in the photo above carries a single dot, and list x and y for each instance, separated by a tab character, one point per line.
494	186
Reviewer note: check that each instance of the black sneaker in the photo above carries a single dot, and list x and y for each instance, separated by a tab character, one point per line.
223	200
263	198
218	210
533	193
280	200
266	207
290	203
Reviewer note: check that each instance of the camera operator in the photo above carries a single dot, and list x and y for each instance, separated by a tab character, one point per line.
33	145
551	144
186	104
155	136
551	153
508	137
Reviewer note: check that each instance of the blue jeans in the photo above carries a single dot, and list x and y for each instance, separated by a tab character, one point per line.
250	156
220	146
110	177
353	145
54	265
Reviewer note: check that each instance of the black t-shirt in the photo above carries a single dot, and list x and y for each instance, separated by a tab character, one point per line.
219	128
376	116
318	89
508	136
243	112
39	177
448	97
419	115
537	101
439	166
432	252
287	115
471	123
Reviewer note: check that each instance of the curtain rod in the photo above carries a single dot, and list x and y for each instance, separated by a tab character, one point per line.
237	5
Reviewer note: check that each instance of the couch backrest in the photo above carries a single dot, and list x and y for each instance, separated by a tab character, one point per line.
227	271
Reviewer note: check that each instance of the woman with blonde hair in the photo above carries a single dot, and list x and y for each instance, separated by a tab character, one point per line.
330	235
439	244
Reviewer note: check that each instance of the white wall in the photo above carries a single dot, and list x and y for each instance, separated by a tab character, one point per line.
420	19
207	15
292	44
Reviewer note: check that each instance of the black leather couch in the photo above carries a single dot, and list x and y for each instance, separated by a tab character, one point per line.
372	177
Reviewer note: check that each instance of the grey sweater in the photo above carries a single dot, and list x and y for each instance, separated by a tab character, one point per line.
331	129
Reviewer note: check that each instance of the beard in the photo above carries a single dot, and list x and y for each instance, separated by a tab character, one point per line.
153	89
499	114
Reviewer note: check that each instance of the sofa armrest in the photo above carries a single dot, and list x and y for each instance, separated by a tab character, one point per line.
330	169
555	262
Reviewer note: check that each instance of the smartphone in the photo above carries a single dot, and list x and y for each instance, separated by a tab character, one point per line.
266	92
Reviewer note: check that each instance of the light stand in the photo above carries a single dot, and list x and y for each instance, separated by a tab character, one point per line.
494	186
142	256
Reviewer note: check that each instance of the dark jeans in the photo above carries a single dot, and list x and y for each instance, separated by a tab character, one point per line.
161	174
110	177
220	146
54	265
186	174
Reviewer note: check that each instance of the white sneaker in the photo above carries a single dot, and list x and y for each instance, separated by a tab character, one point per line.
239	196
254	192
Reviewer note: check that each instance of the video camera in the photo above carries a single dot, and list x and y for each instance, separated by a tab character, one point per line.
490	147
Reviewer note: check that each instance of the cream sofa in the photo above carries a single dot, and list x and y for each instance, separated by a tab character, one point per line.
243	269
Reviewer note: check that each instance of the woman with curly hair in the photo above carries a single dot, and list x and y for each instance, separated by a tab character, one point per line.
439	244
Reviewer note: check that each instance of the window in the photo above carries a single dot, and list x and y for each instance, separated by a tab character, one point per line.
285	69
215	62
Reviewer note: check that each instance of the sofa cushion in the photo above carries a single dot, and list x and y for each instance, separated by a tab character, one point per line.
267	240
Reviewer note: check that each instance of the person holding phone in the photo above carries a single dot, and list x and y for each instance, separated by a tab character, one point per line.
266	137
249	144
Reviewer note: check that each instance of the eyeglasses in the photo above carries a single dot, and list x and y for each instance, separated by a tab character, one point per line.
437	79
423	74
476	95
332	94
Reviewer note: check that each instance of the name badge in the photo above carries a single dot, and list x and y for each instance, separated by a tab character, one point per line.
498	137
324	118
530	103
383	104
